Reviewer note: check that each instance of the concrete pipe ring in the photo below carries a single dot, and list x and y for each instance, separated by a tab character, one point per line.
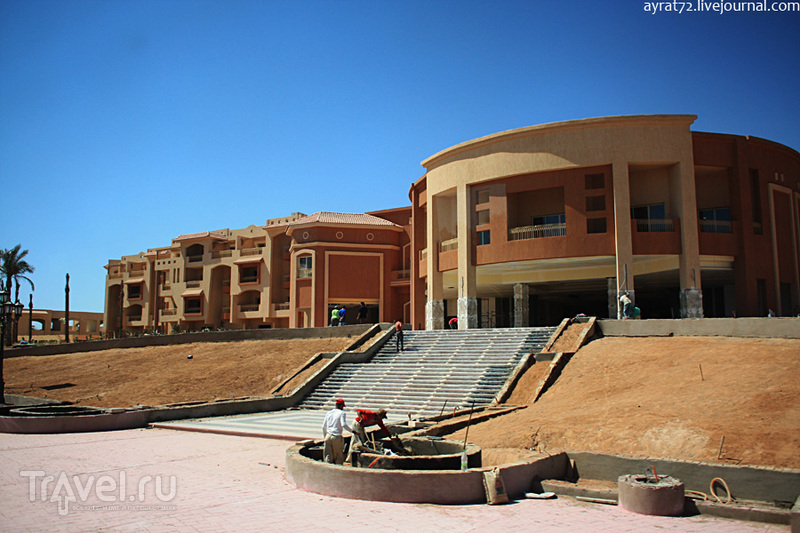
661	497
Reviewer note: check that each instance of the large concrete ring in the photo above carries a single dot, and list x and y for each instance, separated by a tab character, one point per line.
662	498
447	487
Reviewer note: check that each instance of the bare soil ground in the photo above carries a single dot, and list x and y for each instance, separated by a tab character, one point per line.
163	375
676	397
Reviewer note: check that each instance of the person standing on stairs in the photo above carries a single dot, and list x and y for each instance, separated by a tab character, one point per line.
398	333
332	429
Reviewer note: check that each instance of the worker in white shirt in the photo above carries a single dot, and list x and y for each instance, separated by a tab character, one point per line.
332	428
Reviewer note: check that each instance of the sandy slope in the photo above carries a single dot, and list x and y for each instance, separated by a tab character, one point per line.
637	397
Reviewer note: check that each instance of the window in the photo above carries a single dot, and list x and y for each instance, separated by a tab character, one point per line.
482	196
483	217
304	266
595	203
651	218
484	237
595	181
715	220
596	225
755	197
193	306
249	274
134	291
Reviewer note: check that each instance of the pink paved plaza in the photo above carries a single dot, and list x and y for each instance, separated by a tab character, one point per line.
165	480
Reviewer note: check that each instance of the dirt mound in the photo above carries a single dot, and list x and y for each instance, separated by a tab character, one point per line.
162	375
661	397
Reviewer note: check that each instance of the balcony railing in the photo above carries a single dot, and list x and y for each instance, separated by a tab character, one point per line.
715	226
285	306
169	312
654	225
423	254
193	284
400	275
244	308
219	254
136	274
194	258
448	245
249	279
537	232
250	251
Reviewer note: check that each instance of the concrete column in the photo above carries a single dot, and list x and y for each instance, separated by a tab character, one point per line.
434	314
682	194
613	299
434	305
467	286
521	305
622	231
691	303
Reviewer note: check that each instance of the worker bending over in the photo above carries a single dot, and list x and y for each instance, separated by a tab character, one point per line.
365	419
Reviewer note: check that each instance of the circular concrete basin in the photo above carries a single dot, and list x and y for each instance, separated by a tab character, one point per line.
664	497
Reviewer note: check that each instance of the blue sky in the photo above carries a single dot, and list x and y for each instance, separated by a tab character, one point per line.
124	124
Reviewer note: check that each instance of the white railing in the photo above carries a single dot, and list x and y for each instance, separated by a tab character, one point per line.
537	232
715	226
448	245
654	225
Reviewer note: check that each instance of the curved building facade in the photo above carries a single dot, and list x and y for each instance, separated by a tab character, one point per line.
530	225
523	227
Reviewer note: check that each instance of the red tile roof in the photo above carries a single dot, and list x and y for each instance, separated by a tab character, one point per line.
201	235
349	219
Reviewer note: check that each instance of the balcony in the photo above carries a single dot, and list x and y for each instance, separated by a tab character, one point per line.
194	258
248	308
715	226
656	236
219	254
169	312
400	277
136	274
249	252
449	245
194	284
537	232
654	225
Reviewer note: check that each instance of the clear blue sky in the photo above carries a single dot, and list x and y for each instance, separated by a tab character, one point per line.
124	123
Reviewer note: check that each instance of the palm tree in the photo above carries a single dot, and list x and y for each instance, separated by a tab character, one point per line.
14	267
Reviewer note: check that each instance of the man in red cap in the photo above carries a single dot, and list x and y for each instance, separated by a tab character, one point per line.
332	428
365	419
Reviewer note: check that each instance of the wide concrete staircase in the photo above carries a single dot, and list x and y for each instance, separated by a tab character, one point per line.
438	370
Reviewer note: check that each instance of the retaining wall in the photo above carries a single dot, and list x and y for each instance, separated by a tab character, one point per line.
746	482
779	327
186	338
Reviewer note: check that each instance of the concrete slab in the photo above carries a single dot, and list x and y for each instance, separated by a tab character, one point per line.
291	424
